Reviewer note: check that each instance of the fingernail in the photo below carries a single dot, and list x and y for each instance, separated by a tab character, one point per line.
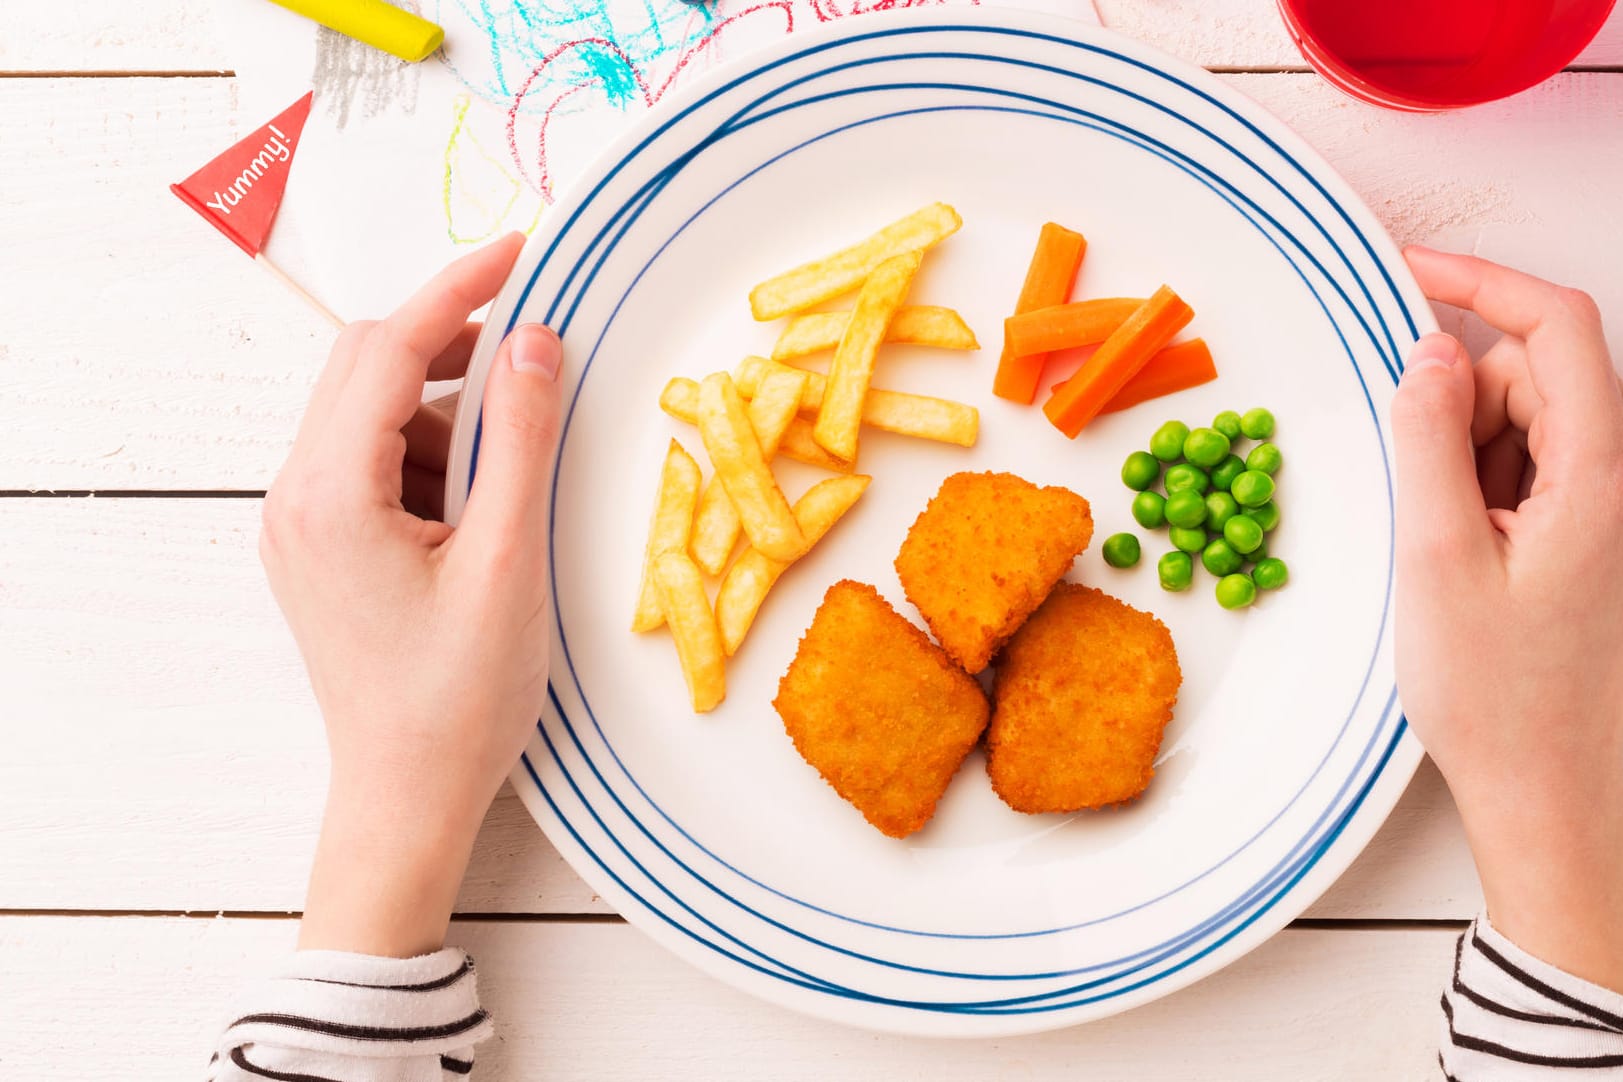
1432	351
533	347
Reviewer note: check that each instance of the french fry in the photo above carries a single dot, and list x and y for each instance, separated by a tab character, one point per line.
845	270
724	426
914	325
680	399
693	626
716	527
752	575
799	445
920	416
669	530
839	418
776	402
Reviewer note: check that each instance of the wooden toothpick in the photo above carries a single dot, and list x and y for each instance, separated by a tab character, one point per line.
280	275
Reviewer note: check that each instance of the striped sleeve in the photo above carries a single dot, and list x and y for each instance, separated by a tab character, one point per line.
1508	1017
329	1016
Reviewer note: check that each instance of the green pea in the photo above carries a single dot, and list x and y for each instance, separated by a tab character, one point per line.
1220	507
1220	558
1266	514
1206	447
1184	476
1270	573
1176	571
1140	471
1189	539
1243	533
1257	424
1228	423
1150	510
1253	488
1186	508
1224	473
1260	553
1121	550
1265	457
1167	443
1236	591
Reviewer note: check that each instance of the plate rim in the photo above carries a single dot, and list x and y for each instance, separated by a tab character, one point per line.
1385	784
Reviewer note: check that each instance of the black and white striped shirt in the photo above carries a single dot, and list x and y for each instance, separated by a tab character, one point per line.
1508	1017
336	1017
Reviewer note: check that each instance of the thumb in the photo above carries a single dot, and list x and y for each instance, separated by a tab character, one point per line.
518	436
1441	517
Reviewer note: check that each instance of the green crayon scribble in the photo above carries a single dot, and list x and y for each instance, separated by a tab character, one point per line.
478	193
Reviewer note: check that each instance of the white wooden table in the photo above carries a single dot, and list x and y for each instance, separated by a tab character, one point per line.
161	760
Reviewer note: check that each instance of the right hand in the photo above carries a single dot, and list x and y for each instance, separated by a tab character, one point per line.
427	647
1510	605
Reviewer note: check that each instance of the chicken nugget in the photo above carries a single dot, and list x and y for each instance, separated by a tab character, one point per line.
1083	693
983	555
878	709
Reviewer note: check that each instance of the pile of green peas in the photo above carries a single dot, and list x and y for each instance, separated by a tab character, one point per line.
1216	506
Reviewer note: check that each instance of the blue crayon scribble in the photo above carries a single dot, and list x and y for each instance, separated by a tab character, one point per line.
542	60
522	34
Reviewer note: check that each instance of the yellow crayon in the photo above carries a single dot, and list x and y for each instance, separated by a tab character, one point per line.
375	23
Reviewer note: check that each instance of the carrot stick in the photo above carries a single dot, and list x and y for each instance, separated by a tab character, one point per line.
1176	368
1118	360
1066	326
1049	279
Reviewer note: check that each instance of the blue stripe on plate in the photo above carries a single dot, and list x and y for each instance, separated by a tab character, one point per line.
1017	1006
1155	148
777	924
846	41
569	725
626	215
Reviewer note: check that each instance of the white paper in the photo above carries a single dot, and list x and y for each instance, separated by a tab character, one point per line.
404	166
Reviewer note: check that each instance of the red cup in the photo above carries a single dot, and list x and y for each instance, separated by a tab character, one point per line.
1429	55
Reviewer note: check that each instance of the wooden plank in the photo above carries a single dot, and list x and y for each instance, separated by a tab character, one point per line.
170	754
111	35
140	351
1606	51
1252	34
1526	182
180	35
600	1001
171	757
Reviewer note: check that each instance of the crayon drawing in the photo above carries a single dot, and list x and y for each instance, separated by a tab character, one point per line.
481	193
565	76
405	164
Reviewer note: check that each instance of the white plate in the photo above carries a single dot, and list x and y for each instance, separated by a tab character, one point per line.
1288	748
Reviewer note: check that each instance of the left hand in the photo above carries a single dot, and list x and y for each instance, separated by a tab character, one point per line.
426	646
1509	501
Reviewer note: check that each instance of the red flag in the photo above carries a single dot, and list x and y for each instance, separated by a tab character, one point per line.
239	191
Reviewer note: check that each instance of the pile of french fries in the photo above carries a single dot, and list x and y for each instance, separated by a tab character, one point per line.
768	408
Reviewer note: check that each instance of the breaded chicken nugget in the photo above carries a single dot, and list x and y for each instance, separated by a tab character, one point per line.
1082	696
878	709
984	553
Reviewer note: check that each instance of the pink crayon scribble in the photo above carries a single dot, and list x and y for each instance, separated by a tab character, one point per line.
614	74
542	178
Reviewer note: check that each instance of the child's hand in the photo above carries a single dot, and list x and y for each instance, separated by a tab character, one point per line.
426	646
1510	601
